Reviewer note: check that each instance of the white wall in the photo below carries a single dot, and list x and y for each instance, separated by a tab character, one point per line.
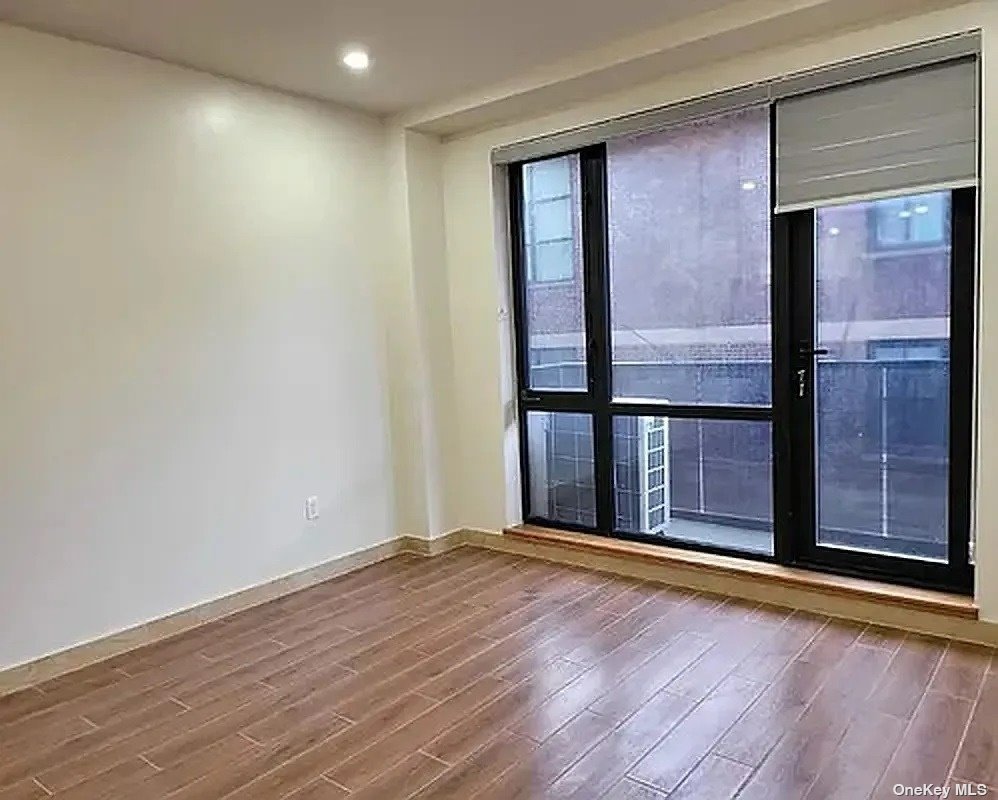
483	406
414	292
986	499
218	300
189	339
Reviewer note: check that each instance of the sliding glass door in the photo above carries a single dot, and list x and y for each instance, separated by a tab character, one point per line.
719	347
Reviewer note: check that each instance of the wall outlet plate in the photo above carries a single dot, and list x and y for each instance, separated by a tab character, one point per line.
311	507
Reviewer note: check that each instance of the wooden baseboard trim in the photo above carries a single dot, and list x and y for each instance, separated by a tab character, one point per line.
721	578
954	618
423	546
952	605
74	658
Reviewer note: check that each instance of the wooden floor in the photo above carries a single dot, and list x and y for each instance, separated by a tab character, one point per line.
482	675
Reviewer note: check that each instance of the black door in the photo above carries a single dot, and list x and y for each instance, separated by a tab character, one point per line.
878	362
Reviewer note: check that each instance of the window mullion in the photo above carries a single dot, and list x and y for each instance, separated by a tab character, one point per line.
594	238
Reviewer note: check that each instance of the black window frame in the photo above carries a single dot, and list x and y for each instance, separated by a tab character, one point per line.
791	246
597	400
796	233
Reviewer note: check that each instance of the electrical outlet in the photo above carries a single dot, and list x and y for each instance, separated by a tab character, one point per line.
311	507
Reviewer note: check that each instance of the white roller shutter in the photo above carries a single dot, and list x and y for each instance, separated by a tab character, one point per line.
912	131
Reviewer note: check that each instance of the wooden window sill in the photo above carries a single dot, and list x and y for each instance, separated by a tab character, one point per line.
943	603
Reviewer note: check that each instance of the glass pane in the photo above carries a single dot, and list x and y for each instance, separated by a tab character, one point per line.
560	455
930	220
689	262
555	319
552	220
882	392
892	228
702	481
553	260
911	221
550	178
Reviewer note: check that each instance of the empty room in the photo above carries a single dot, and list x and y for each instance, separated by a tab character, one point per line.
498	401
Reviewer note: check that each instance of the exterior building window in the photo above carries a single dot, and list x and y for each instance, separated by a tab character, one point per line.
550	224
910	222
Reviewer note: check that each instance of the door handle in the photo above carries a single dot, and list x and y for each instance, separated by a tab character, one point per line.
801	382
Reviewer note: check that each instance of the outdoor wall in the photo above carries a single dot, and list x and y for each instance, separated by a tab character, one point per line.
191	343
477	270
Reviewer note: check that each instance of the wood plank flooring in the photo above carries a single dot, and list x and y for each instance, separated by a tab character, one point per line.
482	675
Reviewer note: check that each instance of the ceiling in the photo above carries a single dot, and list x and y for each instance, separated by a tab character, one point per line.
423	51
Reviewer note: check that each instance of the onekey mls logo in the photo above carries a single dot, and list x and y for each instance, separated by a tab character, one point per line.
936	790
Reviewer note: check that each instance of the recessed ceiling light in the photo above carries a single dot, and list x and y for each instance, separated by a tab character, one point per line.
921	209
904	214
218	114
748	186
834	231
356	60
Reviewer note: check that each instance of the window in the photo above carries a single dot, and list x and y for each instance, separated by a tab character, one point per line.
702	366
910	222
550	220
553	289
882	392
672	308
561	467
689	261
705	482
